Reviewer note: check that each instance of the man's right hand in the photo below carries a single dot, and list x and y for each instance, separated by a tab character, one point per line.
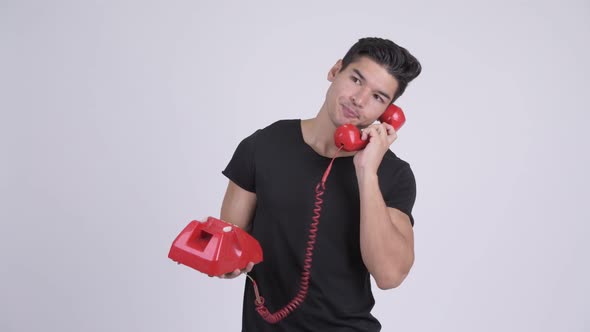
236	272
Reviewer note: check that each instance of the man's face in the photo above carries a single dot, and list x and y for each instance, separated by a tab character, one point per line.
360	93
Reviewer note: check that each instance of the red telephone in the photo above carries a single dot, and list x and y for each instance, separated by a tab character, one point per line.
215	247
349	136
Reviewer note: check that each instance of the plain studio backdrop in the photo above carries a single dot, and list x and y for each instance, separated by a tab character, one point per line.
117	118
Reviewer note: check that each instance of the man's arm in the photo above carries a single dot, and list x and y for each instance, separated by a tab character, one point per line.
386	234
238	208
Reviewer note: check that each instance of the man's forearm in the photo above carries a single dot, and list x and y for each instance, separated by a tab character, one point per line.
386	252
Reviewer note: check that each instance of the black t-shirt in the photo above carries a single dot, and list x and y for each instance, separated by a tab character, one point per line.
283	171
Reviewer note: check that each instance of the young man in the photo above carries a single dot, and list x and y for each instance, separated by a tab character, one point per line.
365	224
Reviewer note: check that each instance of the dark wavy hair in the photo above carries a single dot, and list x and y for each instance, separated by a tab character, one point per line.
402	65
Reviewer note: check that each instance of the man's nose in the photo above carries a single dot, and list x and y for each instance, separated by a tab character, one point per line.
360	97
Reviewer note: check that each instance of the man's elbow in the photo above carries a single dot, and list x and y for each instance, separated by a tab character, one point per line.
394	276
390	281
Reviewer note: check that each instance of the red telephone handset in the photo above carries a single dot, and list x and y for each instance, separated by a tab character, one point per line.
349	136
215	247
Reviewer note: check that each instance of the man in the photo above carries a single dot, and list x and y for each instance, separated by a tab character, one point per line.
365	224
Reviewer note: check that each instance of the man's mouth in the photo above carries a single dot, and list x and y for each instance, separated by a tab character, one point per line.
349	112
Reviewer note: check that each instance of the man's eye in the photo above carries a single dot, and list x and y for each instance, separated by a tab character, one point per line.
356	80
379	98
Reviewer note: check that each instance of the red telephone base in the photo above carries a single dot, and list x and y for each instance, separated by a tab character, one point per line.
215	247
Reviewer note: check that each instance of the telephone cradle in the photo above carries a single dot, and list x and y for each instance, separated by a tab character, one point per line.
214	247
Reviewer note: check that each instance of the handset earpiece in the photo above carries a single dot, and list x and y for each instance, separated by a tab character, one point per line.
394	116
348	136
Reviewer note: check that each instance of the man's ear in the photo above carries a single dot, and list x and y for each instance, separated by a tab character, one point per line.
335	70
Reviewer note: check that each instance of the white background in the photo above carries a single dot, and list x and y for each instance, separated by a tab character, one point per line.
117	118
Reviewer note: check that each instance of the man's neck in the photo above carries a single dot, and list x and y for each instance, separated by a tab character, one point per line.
318	133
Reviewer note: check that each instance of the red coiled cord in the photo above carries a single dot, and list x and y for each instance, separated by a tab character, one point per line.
306	273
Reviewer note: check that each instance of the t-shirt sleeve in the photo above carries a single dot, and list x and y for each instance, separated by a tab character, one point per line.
402	191
241	168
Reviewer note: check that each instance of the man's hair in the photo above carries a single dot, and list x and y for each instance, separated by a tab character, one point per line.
402	65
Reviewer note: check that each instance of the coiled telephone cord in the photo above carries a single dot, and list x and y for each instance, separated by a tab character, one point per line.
306	273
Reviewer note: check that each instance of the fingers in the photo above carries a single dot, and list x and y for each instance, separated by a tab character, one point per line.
236	272
383	130
390	132
364	134
370	131
231	275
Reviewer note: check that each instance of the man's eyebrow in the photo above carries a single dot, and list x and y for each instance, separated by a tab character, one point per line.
383	94
359	73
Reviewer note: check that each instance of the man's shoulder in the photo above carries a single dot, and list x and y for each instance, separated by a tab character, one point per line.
391	157
392	163
280	131
280	125
275	127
